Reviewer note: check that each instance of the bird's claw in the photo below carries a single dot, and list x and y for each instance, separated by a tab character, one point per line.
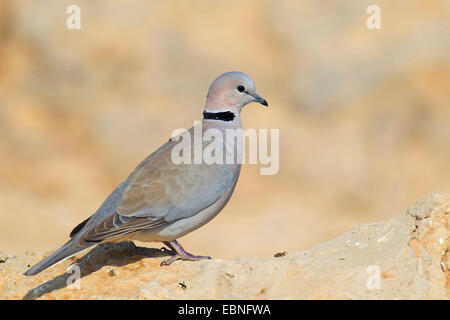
183	257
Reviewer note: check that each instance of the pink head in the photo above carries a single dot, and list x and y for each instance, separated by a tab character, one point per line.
230	92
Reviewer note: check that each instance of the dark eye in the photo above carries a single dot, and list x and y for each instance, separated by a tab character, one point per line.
240	88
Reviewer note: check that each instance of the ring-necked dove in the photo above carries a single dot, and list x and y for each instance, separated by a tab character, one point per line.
162	200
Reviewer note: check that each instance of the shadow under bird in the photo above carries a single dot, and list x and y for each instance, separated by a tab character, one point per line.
162	201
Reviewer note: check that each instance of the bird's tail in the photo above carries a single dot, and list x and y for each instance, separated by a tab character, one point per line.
71	248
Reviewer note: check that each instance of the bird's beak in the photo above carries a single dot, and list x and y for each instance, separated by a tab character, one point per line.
259	99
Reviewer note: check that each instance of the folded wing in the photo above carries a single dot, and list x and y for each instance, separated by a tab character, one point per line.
160	192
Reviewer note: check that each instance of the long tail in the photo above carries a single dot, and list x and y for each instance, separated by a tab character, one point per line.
71	248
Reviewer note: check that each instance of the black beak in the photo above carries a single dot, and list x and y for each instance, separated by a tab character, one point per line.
259	99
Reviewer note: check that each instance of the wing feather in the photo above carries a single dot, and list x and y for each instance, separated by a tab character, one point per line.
160	191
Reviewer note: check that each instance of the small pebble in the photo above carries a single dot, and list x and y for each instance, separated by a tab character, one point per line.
280	254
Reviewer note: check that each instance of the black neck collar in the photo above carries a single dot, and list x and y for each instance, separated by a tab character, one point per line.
222	116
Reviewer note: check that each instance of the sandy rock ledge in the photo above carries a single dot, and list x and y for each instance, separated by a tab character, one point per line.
406	257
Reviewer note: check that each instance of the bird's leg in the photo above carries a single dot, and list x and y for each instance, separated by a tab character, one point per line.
180	253
167	243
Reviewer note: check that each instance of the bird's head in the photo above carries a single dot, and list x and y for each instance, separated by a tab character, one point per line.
231	91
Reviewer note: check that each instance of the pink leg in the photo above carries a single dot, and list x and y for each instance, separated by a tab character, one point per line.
180	253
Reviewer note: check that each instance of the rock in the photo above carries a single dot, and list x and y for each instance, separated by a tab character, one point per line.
3	257
406	257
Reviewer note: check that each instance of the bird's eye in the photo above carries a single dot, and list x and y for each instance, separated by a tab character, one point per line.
240	88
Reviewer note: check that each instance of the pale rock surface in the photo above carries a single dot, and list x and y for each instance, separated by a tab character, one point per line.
410	253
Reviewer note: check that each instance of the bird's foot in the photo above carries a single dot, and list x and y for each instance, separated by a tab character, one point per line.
180	254
186	258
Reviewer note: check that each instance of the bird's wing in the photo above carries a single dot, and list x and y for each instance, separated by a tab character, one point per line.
160	191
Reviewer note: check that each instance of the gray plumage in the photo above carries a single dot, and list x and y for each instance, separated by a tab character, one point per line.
162	200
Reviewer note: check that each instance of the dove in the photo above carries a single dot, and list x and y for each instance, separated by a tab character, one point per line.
163	200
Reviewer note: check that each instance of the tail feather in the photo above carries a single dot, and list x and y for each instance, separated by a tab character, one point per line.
68	250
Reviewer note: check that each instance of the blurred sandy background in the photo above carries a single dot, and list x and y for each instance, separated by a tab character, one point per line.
364	116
